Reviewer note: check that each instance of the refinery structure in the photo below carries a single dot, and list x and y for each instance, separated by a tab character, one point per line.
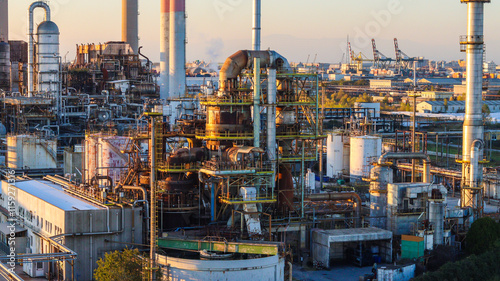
240	176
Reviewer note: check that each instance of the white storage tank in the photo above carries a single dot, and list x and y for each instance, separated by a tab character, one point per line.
104	157
31	152
334	155
364	151
263	269
48	58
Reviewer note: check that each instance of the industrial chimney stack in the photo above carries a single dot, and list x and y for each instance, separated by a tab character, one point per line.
4	20
257	8
164	49
473	130
130	23
177	49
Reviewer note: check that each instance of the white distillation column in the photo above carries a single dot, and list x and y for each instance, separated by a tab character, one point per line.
473	122
164	49
257	7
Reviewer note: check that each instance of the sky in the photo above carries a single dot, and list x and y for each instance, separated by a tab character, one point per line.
313	30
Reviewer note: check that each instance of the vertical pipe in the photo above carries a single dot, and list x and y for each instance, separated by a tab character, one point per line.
177	48
302	180
212	202
164	49
473	122
257	7
271	123
4	20
256	103
152	227
130	23
31	44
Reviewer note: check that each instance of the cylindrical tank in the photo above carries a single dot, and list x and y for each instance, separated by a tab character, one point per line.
364	151
31	152
48	58
4	66
265	269
335	155
111	161
436	218
381	176
90	157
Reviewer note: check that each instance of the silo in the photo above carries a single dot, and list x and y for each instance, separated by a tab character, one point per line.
110	159
335	155
4	66
381	176
436	218
364	151
48	58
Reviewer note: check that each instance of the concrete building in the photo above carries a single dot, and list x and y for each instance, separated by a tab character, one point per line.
435	95
384	84
48	213
453	106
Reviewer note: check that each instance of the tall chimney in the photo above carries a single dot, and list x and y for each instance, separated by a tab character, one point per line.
473	130
257	7
4	20
177	48
164	49
130	23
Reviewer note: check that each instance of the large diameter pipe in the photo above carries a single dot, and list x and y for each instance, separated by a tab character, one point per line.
177	48
244	59
413	155
476	175
256	103
4	20
130	23
164	49
336	196
257	7
271	121
31	44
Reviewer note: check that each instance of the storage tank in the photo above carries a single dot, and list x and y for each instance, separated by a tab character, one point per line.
436	218
4	66
31	152
104	157
381	176
364	151
264	269
48	58
334	155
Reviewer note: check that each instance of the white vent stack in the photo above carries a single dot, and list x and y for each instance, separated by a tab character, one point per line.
473	130
31	44
164	49
257	7
130	23
177	49
4	20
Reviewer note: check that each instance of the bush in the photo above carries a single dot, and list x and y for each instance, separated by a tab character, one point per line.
482	236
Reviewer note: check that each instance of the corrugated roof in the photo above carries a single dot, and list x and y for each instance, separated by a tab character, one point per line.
460	103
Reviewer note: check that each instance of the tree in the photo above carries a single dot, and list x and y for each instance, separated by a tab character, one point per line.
123	266
485	109
482	235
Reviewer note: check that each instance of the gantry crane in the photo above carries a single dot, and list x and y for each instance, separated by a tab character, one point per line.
379	59
357	59
403	61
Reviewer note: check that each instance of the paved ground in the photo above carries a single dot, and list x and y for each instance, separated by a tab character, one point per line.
337	273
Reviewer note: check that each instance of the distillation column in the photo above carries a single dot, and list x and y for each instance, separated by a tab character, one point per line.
164	49
473	129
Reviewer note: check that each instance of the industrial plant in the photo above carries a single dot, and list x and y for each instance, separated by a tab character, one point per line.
243	176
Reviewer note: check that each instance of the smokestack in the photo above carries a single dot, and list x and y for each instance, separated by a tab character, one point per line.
256	25
130	23
177	48
164	49
4	20
473	129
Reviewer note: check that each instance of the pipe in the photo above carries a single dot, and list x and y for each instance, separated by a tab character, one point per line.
271	122
130	23
164	49
177	49
335	196
31	48
426	177
256	25
476	153
244	59
290	274
256	103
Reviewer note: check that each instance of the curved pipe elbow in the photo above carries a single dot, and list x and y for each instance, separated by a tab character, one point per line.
40	4
396	155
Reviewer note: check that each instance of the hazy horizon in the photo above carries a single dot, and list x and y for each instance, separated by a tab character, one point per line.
218	28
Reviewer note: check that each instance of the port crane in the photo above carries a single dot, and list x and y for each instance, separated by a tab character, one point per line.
403	61
380	60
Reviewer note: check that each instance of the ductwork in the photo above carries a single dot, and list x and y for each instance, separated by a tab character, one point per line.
244	59
413	155
336	196
31	47
476	155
